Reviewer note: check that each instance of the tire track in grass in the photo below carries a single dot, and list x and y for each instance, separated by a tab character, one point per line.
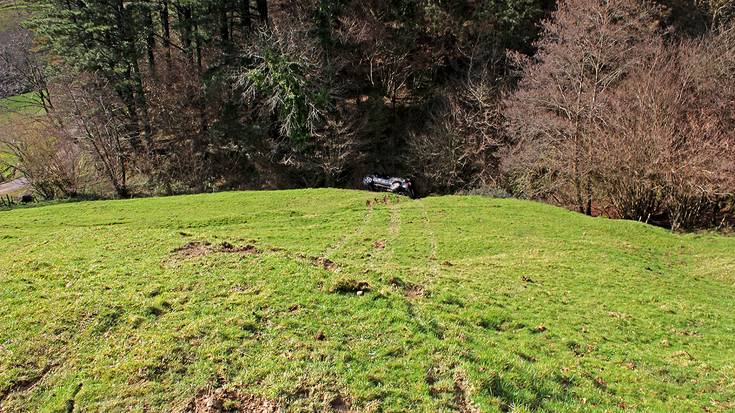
446	381
394	229
344	239
395	217
370	247
432	259
357	250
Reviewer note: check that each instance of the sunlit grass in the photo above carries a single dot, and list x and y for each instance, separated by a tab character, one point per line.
470	303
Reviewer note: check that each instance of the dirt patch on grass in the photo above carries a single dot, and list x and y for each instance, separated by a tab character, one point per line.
462	391
229	400
27	384
197	249
410	290
320	262
340	405
349	286
385	200
194	249
449	386
325	263
227	247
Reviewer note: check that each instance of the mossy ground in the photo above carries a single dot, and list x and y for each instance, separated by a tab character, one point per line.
471	304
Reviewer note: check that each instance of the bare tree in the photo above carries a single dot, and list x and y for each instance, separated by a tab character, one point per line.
53	165
95	119
457	149
23	70
645	126
665	150
587	48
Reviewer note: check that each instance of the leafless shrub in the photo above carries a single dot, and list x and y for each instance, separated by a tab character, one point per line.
21	68
92	117
457	151
667	145
719	11
650	136
175	160
53	165
334	152
588	48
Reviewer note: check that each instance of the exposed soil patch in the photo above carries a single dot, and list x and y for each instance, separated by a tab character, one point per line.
349	286
414	291
462	391
450	386
341	405
229	400
539	329
320	262
385	200
28	384
325	263
227	247
379	244
410	290
194	249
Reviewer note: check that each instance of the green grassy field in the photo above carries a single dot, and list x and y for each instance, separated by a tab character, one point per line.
12	12
250	300
25	104
13	110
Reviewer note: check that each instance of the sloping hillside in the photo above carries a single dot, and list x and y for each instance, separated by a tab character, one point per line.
332	300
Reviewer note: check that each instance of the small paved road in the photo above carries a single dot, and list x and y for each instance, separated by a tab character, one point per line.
13	186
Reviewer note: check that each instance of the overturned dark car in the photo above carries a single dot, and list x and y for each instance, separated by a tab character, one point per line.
402	186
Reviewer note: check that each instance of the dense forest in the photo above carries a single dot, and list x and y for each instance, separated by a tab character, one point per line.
623	108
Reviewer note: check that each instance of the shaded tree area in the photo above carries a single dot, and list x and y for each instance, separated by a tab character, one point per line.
614	117
542	100
220	94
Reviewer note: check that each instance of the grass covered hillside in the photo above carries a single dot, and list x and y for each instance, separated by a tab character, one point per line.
333	300
14	111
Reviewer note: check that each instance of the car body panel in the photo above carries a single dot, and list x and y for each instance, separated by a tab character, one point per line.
392	184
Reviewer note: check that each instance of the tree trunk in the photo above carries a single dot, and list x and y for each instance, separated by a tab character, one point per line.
166	26
186	30
142	104
224	30
201	104
588	206
126	95
262	10
150	40
245	15
198	50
